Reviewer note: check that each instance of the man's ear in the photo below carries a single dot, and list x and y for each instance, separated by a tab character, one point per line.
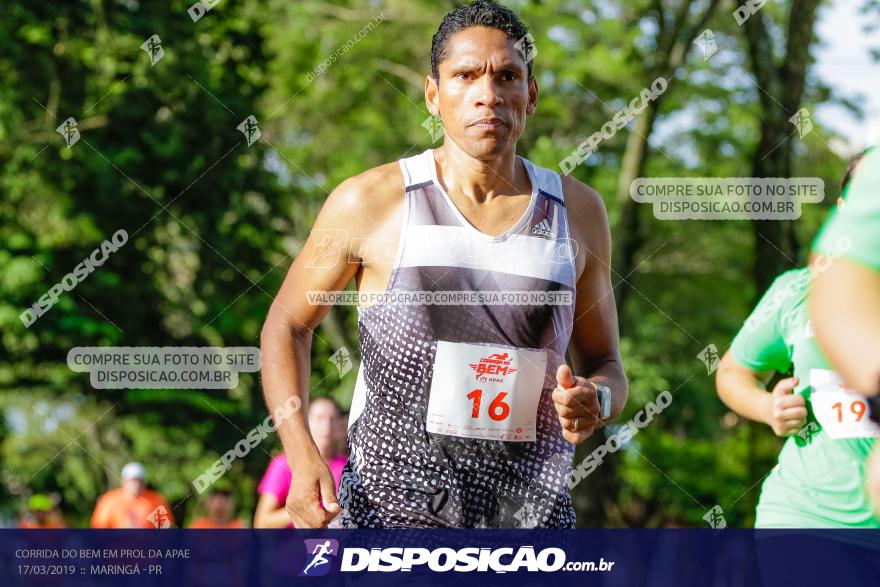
432	95
533	96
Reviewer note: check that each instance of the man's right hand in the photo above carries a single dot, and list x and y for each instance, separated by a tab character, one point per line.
311	485
788	410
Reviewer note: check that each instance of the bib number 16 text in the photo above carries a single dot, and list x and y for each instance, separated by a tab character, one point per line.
498	409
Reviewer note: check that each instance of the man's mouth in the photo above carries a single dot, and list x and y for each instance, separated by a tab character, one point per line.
490	123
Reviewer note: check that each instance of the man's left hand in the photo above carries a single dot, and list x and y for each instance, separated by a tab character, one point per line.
577	403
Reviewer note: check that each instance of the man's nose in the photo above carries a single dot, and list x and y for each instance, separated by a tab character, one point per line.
487	94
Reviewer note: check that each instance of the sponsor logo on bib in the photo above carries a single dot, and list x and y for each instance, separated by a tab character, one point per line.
493	368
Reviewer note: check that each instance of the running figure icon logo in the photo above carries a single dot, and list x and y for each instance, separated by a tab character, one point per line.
493	368
317	561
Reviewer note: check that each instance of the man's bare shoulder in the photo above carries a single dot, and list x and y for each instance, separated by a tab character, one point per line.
588	223
583	202
368	197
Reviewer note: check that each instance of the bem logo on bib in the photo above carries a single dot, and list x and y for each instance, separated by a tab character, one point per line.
493	368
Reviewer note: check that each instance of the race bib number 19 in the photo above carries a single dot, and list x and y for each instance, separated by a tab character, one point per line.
842	413
485	392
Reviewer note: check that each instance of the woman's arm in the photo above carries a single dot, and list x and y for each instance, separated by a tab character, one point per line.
738	387
270	513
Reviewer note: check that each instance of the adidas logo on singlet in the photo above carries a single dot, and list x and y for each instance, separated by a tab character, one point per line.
543	229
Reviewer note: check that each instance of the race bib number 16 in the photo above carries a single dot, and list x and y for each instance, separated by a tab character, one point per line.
842	413
485	392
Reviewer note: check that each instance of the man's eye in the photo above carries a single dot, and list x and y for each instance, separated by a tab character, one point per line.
462	75
509	77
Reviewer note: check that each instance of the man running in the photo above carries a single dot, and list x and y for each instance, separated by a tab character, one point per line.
132	505
42	512
463	413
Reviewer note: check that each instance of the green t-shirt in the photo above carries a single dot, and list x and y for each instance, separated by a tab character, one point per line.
819	481
854	231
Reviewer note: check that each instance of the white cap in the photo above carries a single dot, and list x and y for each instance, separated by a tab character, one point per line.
134	471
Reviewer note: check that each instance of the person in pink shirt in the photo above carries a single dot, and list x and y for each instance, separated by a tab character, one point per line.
324	420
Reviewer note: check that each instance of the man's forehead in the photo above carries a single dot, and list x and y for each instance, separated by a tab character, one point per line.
476	45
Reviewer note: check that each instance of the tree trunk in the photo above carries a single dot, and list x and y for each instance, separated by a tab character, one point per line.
780	90
629	237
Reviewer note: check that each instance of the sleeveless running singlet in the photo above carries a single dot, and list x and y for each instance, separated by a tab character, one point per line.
452	422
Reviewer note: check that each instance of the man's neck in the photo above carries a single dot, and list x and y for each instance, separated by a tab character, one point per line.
477	179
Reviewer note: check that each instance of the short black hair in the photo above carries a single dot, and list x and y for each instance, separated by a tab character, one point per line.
851	169
487	13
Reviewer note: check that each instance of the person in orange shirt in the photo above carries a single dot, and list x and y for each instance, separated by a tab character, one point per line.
42	513
220	507
132	505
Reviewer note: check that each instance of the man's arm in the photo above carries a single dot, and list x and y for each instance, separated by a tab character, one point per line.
327	262
845	311
101	514
594	346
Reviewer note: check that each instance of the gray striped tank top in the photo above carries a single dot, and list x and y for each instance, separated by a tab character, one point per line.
452	422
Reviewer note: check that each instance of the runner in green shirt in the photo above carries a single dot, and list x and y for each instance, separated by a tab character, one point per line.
859	219
845	301
819	481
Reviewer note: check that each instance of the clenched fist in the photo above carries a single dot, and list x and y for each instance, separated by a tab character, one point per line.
788	410
577	403
311	501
